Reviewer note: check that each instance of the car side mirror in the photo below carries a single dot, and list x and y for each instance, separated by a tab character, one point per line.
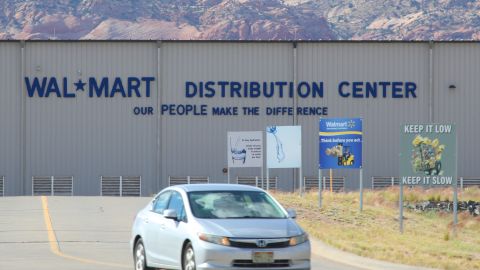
292	213
170	214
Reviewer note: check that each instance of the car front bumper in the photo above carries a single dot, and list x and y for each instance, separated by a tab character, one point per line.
211	256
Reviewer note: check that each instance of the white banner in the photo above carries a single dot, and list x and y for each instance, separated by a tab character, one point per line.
284	146
245	149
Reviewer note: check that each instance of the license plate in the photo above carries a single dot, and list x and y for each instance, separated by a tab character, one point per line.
262	257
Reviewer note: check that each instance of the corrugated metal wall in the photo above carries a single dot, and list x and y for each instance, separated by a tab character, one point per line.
11	117
382	117
89	137
197	145
459	65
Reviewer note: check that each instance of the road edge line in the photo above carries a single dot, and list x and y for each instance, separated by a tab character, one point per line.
350	259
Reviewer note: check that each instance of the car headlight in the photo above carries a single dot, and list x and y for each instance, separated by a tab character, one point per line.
219	240
297	240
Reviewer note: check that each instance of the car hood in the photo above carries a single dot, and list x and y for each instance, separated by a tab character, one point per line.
251	228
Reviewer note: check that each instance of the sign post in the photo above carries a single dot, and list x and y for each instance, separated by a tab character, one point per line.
428	157
319	188
361	190
400	219
340	147
331	180
455	205
245	150
284	149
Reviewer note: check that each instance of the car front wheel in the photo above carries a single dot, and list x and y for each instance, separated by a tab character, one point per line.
188	258
140	258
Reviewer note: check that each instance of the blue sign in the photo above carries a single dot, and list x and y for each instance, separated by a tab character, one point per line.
340	142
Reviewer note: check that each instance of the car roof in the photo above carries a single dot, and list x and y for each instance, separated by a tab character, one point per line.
216	187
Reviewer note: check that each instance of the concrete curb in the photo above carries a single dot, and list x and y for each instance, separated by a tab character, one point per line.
325	251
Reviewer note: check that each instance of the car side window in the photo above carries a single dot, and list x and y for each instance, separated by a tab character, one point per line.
176	203
161	202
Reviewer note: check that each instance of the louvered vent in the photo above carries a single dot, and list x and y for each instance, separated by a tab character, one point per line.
121	185
177	180
42	185
199	180
131	186
257	181
272	183
311	182
52	185
2	186
184	180
248	180
110	186
63	186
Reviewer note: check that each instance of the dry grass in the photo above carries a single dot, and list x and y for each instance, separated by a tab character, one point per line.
428	239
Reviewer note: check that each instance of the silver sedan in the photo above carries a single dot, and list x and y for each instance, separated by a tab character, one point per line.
217	226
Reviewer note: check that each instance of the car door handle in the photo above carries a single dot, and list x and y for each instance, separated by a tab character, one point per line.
162	225
145	220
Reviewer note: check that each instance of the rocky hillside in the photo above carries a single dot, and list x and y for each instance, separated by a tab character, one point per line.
241	19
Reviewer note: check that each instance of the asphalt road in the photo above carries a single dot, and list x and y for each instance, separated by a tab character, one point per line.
77	233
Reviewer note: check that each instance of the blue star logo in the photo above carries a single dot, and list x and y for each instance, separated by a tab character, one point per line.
79	85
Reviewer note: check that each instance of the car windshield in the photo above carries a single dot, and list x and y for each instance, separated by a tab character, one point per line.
233	204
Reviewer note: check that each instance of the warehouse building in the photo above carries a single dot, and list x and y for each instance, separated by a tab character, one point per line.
78	116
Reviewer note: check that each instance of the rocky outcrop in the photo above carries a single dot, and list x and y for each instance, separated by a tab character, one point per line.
446	206
142	29
241	19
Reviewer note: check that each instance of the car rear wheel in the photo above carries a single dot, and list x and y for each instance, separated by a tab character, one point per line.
139	256
188	258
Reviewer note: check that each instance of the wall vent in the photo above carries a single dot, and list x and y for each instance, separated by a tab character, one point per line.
379	182
42	185
63	186
272	183
131	186
52	186
2	186
311	182
256	181
184	180
121	186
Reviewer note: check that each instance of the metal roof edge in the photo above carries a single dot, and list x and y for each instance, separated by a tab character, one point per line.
238	41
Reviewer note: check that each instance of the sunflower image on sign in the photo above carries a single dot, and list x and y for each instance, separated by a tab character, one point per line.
427	155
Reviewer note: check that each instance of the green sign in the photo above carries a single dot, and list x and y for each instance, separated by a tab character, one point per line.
428	154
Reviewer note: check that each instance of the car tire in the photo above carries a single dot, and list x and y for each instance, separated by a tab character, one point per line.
139	257
188	258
